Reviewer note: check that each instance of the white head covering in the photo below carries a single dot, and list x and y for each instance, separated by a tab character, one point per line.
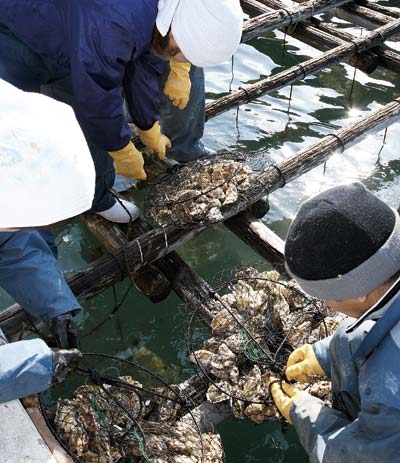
46	170
208	32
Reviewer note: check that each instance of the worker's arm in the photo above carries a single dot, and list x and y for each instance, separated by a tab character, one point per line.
25	369
29	367
329	436
142	90
101	53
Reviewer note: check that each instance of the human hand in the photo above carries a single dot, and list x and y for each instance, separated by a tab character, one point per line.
178	85
284	395
302	364
155	141
129	162
65	330
64	361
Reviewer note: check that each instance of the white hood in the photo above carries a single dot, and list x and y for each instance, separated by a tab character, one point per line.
208	32
46	170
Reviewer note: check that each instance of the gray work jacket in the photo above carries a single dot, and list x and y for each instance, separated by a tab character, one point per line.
362	360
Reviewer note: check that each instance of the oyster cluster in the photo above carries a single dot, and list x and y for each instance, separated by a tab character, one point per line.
258	316
200	195
181	443
97	430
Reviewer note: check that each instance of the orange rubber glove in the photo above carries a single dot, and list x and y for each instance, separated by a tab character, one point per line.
178	86
302	364
284	395
129	162
155	141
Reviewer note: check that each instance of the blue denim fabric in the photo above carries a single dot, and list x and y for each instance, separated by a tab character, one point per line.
25	369
185	128
29	272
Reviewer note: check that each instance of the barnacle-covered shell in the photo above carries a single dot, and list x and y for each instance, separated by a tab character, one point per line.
202	357
220	392
224	323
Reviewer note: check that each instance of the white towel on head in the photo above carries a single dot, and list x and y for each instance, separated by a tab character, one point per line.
208	32
166	11
46	170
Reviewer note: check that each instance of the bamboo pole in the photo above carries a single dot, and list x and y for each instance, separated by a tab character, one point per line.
156	243
318	34
260	238
312	35
149	281
301	71
284	17
388	11
363	16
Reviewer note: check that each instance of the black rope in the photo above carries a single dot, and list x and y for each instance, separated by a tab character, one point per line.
246	93
343	146
282	175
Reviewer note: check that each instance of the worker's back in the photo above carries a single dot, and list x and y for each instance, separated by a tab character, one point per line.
57	29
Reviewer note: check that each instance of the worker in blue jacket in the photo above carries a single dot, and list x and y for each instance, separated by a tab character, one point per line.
343	247
94	54
40	175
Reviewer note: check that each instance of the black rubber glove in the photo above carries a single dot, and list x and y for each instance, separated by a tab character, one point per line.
65	330
64	361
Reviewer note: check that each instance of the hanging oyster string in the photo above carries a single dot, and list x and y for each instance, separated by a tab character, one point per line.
116	418
257	323
200	191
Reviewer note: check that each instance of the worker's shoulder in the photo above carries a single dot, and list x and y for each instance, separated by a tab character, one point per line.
354	337
141	13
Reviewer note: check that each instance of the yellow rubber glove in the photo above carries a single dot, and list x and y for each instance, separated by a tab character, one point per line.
284	395
178	86
155	141
302	364
129	162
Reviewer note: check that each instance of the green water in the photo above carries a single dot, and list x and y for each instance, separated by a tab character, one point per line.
319	106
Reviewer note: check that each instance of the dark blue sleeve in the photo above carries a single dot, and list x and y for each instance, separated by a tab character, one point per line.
142	91
100	53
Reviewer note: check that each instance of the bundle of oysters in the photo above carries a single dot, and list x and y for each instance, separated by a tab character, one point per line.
96	429
200	194
255	327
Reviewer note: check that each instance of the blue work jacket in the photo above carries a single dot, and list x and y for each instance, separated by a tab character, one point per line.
105	46
25	369
362	360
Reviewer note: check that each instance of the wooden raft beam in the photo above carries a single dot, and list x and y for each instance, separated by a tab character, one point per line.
363	16
322	36
300	71
313	36
156	243
284	17
260	238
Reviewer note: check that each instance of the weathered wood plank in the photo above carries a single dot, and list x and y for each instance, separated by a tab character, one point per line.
260	238
323	36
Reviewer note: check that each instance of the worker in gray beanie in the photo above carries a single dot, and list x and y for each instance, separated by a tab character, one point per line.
343	247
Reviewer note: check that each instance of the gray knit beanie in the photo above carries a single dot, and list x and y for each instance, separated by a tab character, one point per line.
343	243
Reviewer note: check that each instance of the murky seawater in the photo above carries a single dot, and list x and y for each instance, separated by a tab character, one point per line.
319	105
